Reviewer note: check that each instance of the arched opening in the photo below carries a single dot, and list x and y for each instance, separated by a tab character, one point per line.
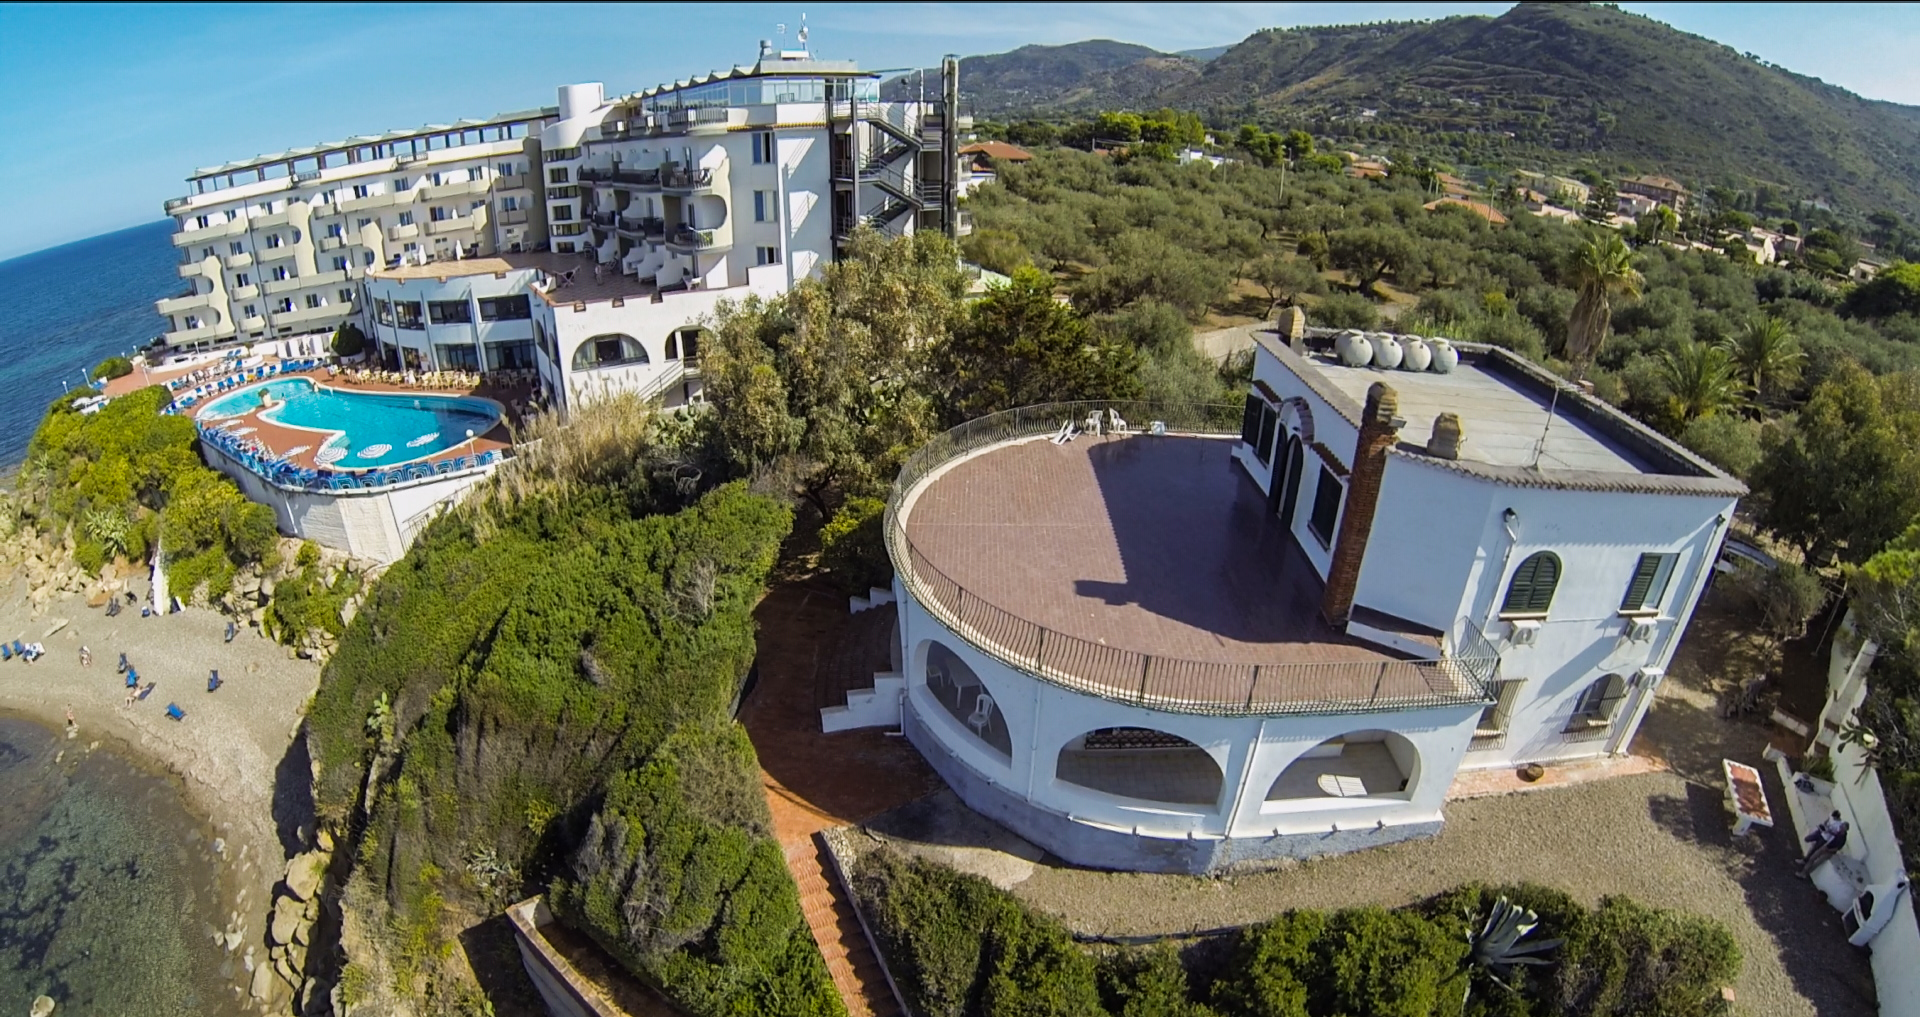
1530	591
1141	763
615	349
1594	712
684	343
1361	764
958	689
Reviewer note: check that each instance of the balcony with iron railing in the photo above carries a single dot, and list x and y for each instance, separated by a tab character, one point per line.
1138	566
643	225
688	240
686	181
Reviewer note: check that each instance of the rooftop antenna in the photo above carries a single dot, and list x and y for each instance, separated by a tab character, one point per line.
801	37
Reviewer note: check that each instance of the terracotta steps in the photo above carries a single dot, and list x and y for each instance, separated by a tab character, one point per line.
836	930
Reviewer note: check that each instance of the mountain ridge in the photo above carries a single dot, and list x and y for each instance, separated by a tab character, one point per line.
1591	83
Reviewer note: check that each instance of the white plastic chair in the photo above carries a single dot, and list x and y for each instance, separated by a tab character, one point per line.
1115	425
982	714
1093	423
1064	435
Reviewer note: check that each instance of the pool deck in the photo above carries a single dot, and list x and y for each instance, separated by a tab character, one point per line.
279	437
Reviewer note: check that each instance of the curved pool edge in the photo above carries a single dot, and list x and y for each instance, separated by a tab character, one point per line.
204	416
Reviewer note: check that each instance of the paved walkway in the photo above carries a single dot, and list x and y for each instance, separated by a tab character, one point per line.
815	781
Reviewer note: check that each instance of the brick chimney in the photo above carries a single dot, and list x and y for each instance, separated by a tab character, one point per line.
1379	430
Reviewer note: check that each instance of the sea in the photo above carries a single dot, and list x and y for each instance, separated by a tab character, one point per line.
109	894
71	307
109	890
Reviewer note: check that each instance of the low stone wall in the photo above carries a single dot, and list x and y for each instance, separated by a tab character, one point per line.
561	987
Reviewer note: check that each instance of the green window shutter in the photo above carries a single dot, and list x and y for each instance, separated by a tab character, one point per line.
1533	583
1269	424
1613	689
1250	420
1649	585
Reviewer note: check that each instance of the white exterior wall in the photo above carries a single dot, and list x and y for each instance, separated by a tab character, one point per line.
1042	718
468	288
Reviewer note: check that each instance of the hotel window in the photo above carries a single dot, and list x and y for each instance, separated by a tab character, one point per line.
206	252
315	300
406	218
399	184
361	191
329	197
1326	507
504	169
335	230
406	314
193	321
364	223
766	255
439	213
201	221
250	311
273	240
762	147
557	175
232	214
280	273
383	309
284	306
346	296
339	263
563	213
410	247
436	178
1649	585
510	204
449	312
1530	591
505	308
236	247
1597	704
242	279
565	248
367	259
766	206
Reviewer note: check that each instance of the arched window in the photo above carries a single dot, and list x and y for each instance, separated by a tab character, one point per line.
1530	591
684	343
1594	711
615	349
1143	764
958	689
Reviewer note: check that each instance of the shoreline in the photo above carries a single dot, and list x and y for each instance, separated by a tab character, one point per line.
235	758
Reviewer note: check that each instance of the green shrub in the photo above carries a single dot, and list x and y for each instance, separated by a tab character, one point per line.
309	554
1344	310
1725	440
349	341
111	368
1629	959
853	545
1149	982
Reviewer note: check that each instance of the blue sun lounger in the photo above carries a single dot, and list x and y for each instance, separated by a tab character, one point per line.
19	648
6	651
133	678
174	711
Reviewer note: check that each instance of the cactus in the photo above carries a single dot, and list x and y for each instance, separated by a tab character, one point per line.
1497	949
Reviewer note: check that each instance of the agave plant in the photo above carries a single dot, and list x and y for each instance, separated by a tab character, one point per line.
1497	949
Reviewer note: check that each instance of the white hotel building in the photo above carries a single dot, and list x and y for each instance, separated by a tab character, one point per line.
1190	650
587	241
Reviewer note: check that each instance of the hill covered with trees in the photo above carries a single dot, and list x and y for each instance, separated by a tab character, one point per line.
1542	83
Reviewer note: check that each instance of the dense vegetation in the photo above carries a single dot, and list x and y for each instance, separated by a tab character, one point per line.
539	693
126	478
1541	86
959	947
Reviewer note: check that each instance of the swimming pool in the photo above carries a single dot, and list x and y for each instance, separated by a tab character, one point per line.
371	429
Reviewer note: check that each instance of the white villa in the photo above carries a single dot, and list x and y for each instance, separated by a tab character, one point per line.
1164	646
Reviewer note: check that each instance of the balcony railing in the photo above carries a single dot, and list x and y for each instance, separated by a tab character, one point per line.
692	239
1157	681
674	178
646	225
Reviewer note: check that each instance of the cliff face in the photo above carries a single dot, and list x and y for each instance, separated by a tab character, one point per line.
565	681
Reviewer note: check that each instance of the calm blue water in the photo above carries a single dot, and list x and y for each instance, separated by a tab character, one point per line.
108	896
67	309
381	429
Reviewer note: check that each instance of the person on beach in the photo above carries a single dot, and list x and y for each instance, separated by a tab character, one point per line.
86	657
71	729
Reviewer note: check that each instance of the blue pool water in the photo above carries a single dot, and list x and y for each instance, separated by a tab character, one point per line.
374	428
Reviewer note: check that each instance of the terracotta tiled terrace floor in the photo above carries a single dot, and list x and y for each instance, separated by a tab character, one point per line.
816	781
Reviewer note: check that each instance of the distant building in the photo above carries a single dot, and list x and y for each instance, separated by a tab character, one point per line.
1564	188
977	162
1188	156
1633	206
1452	186
1664	190
1479	208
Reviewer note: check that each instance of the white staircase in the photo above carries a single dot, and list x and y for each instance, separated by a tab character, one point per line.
875	707
876	597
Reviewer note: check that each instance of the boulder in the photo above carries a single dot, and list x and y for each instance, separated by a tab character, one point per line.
304	873
287	973
262	983
302	934
287	916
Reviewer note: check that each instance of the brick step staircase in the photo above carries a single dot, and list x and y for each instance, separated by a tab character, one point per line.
836	929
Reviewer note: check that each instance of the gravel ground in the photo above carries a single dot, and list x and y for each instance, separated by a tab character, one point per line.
235	754
1662	838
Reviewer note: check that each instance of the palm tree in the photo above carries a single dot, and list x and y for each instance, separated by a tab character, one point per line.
1600	269
1701	380
1766	356
1665	222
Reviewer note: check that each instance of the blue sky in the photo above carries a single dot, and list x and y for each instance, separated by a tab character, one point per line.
106	109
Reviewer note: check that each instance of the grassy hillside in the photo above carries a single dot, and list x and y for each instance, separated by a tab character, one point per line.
1098	73
1573	81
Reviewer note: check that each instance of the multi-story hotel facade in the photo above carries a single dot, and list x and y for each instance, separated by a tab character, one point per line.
587	242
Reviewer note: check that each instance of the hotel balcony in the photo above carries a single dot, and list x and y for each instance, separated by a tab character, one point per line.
676	180
205	333
267	222
477	219
368	202
241	260
407	232
291	283
193	269
253	324
215	230
304	315
642	226
511	182
687	240
184	302
453	190
330	243
317	208
247	292
513	217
